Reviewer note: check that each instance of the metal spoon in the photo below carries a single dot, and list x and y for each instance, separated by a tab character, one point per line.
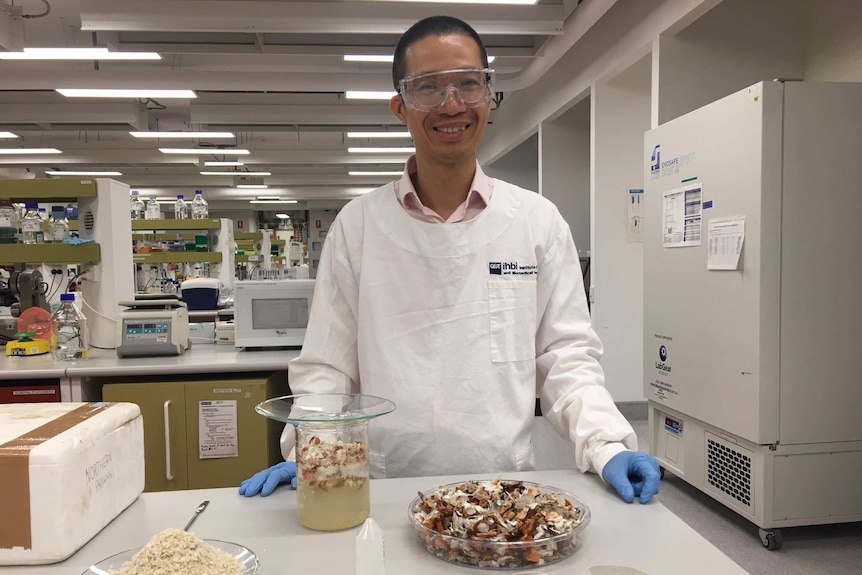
198	511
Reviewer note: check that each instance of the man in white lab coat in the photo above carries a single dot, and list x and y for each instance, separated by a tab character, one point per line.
460	298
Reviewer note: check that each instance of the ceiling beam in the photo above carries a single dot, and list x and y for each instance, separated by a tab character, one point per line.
12	30
310	17
346	115
128	113
50	78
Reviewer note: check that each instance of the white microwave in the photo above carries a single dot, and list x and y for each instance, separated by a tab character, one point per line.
271	313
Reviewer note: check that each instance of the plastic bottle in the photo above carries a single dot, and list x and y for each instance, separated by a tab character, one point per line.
58	226
71	211
31	225
137	206
8	223
181	208
200	208
154	211
71	326
370	549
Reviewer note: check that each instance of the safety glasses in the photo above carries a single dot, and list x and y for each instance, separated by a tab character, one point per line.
427	92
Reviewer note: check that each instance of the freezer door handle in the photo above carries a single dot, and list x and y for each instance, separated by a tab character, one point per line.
168	475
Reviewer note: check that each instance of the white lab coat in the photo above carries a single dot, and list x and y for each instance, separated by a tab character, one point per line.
417	313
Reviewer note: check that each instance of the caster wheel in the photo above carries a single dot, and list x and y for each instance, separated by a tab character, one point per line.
770	539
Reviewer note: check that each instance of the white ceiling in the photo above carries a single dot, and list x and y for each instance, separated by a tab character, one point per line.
270	71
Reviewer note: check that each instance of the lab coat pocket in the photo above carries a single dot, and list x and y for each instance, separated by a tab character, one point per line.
512	313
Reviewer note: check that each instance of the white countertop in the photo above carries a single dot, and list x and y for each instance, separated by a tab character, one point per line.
201	358
645	537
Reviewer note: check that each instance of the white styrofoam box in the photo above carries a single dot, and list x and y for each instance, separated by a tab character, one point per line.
79	479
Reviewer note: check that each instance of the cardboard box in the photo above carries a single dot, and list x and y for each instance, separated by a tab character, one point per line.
66	471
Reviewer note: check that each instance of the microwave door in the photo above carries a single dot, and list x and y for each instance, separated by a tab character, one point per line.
273	321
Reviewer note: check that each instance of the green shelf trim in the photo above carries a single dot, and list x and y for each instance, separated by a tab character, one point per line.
49	253
180	225
177	258
45	190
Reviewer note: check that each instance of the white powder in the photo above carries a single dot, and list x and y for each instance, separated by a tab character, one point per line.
174	551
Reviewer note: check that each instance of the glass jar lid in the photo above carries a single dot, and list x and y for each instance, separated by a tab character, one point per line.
325	408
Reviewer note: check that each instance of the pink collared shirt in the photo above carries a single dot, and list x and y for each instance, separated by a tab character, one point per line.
477	199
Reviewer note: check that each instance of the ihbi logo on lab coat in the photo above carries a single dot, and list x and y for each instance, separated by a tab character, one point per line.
511	269
662	355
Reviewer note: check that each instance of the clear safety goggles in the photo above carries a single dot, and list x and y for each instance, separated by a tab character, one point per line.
427	92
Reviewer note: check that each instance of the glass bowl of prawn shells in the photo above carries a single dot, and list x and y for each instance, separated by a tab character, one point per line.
499	524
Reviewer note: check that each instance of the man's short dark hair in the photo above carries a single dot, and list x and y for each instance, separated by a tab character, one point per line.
431	26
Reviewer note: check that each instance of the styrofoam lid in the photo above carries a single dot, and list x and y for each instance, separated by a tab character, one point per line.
201	283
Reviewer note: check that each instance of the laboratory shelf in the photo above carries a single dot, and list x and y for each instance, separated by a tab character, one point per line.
177	258
42	190
208	224
164	237
49	253
244	259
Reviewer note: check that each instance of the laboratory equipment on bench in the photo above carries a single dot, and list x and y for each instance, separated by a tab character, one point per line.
271	313
153	327
29	289
200	294
25	344
751	311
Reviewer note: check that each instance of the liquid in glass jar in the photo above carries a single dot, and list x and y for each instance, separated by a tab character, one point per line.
332	488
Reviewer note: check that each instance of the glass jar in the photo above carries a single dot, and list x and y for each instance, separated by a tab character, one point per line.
332	491
332	478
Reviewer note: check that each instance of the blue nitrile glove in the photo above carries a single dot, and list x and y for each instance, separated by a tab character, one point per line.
265	482
633	473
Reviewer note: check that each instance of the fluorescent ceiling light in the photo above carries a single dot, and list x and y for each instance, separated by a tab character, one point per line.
392	173
282	216
382	58
252	186
378	135
180	135
381	150
230	151
368	58
368	95
58	173
236	173
114	93
225	164
5	135
29	151
272	201
76	54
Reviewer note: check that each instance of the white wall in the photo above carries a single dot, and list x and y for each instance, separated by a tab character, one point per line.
616	41
564	177
520	166
621	115
247	217
833	48
734	45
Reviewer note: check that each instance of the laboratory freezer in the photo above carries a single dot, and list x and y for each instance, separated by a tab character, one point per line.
752	270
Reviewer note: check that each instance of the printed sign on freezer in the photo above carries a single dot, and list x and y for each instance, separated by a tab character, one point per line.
682	216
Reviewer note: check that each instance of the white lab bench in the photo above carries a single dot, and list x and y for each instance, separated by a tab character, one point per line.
199	359
645	537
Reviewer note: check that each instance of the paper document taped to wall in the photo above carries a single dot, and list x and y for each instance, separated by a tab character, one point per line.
725	237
